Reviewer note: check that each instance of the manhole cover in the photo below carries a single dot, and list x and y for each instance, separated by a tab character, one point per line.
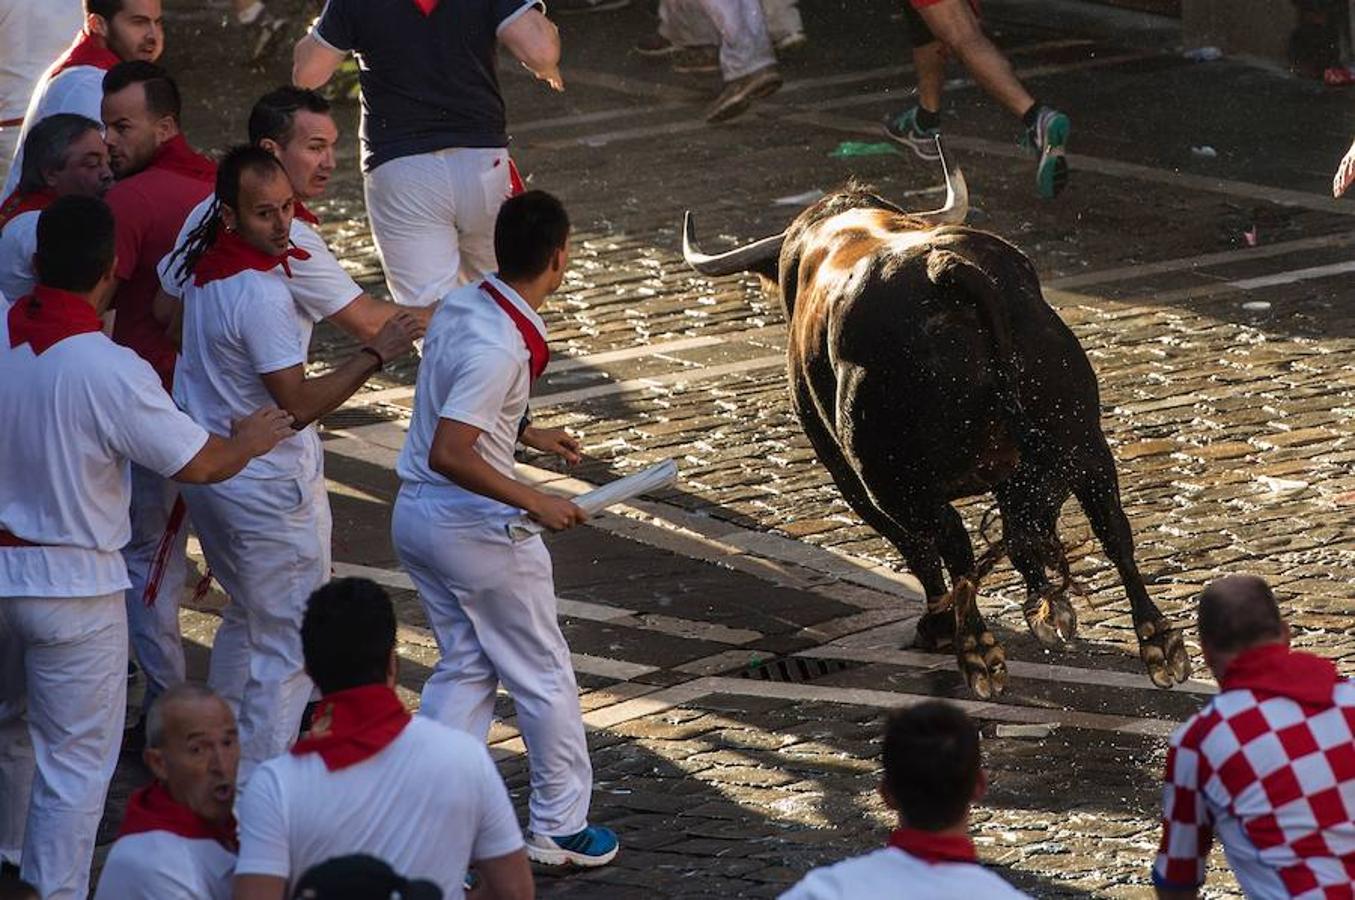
795	669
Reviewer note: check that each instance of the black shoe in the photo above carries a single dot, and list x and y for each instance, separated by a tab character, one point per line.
741	92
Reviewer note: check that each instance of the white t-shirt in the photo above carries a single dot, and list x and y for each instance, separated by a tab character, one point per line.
31	36
79	89
73	416
319	285
235	330
890	872
18	243
158	865
429	804
476	370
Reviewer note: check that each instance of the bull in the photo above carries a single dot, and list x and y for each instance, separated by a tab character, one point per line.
925	366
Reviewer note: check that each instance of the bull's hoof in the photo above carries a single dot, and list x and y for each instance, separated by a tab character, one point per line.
935	631
1163	652
983	664
1051	617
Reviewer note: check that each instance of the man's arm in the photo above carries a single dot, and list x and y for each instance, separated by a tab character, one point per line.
535	41
314	63
1187	823
454	456
504	878
252	436
363	317
259	887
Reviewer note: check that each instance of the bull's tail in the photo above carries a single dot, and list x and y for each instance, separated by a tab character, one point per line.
948	269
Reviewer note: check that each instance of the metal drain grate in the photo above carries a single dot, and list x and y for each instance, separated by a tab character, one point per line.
357	416
795	669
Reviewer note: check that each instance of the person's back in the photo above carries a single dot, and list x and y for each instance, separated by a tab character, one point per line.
1268	765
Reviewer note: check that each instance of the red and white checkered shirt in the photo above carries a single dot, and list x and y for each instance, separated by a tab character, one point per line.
1268	766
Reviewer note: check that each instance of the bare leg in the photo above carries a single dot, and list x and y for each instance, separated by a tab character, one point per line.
954	24
930	62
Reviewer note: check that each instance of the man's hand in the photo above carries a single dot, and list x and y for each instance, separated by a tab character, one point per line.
553	440
552	77
556	513
261	430
1345	173
397	336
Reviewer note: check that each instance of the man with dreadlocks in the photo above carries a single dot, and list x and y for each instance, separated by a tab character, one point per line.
66	155
266	532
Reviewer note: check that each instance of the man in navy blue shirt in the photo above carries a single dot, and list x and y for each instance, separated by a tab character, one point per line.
434	131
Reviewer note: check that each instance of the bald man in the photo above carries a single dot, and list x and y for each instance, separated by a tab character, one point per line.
1268	766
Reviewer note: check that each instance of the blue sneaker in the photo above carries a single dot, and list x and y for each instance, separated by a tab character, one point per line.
594	846
1048	139
904	129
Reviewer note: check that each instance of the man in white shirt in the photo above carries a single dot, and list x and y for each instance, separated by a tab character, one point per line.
933	774
114	30
266	533
31	36
66	155
489	598
178	840
369	778
77	409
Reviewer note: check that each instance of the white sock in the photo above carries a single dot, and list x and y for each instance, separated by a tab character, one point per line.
251	14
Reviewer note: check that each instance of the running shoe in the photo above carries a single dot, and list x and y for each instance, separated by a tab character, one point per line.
792	43
689	60
656	45
594	846
904	129
741	92
1048	139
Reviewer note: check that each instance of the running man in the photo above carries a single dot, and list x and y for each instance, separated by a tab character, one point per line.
938	28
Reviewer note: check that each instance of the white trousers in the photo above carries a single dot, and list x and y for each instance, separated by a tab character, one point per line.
267	542
433	218
157	566
63	699
491	603
685	23
745	45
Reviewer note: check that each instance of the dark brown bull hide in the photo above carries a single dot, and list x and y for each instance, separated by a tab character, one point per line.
926	366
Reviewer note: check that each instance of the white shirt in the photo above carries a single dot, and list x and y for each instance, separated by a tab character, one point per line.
18	243
476	370
319	285
31	36
235	330
429	804
79	89
890	872
158	865
73	416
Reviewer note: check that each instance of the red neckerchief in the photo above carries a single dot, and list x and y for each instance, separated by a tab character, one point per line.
48	316
230	255
427	6
353	725
175	155
931	847
88	50
300	211
20	202
1276	670
536	343
151	808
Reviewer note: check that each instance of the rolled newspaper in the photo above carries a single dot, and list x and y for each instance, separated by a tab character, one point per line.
657	476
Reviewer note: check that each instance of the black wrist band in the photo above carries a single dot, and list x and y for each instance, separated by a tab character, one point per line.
523	424
380	363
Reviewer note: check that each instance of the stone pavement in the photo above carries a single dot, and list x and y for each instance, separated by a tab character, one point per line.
738	637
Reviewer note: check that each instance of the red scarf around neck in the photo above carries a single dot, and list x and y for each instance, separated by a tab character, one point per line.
20	202
1276	670
931	847
48	316
151	808
353	725
427	6
535	341
88	50
231	254
300	211
175	155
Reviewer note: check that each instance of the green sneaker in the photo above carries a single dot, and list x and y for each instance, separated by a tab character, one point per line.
1047	140
904	129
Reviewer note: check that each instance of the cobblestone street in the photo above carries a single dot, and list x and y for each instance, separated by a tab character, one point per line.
739	637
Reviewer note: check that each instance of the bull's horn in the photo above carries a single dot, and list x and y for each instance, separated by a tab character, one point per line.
750	257
957	195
